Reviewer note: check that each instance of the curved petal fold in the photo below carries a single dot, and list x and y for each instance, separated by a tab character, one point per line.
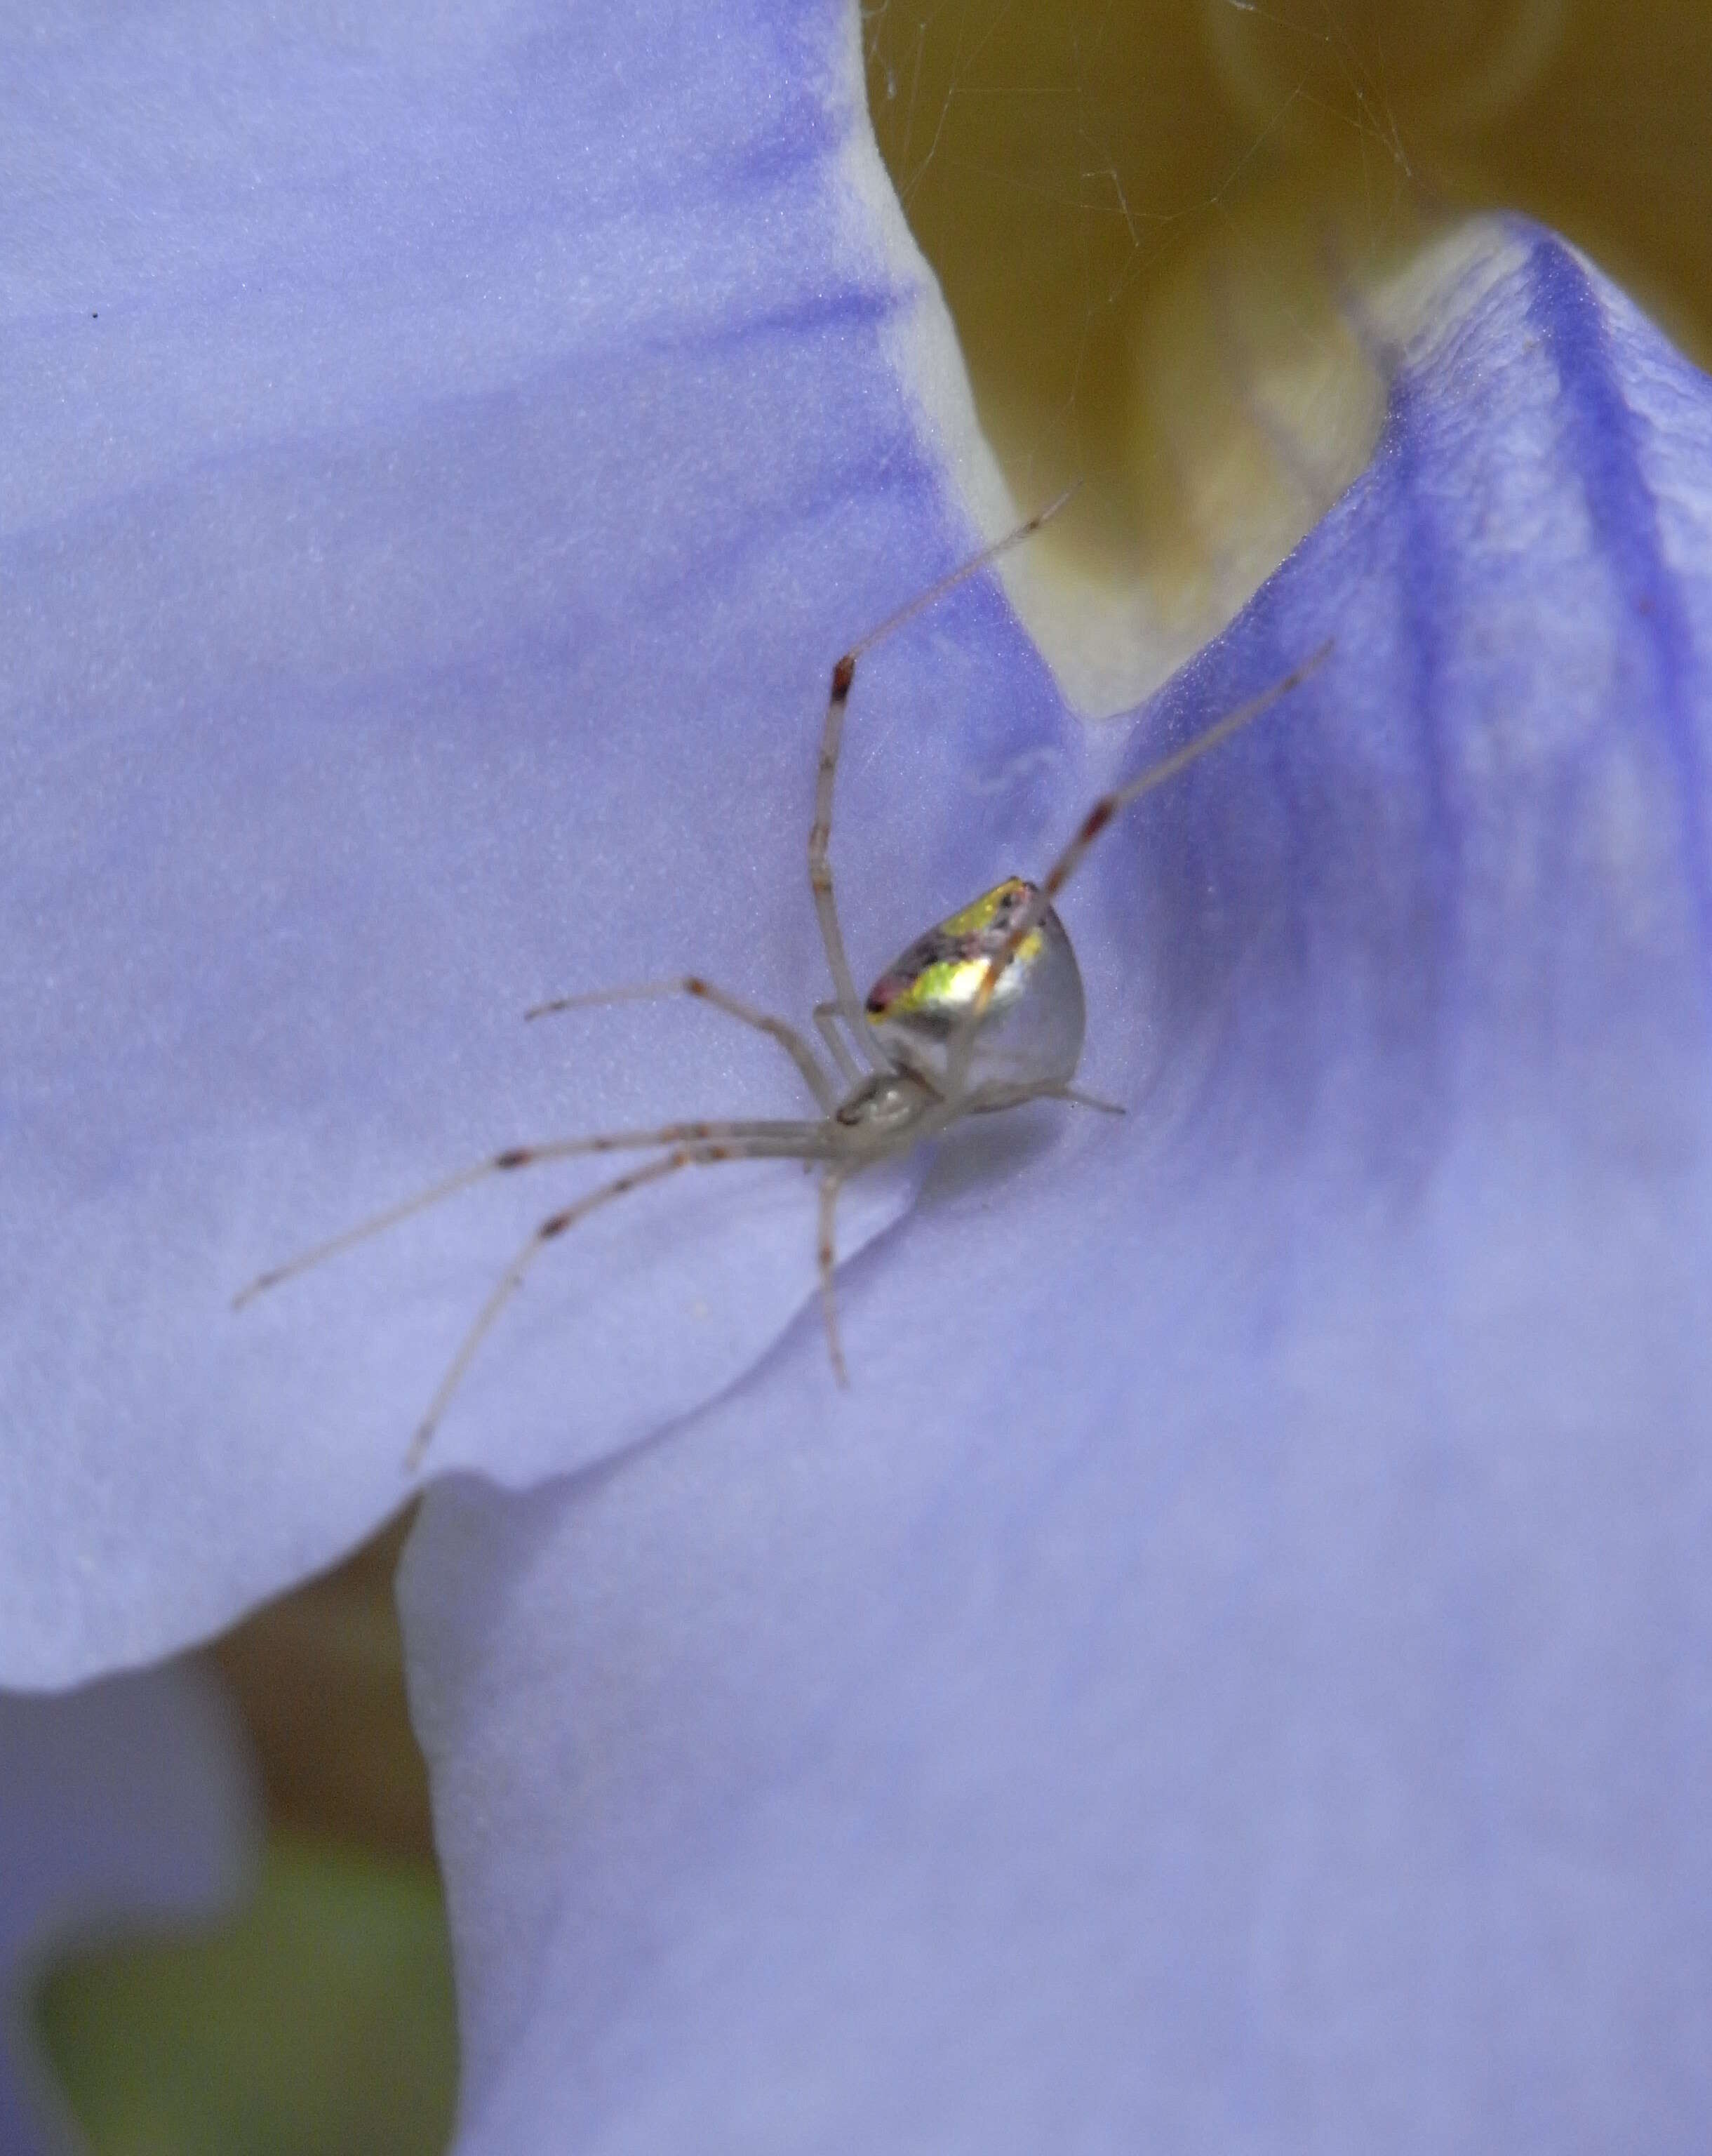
1232	1673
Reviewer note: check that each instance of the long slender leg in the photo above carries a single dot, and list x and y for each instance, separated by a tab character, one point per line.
1088	1099
511	1279
1093	824
827	1252
820	832
752	1140
826	1017
692	984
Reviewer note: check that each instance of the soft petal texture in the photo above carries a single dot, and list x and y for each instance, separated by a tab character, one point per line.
129	1802
446	451
1235	1672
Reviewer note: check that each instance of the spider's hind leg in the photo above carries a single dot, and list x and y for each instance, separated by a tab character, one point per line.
555	1225
704	1148
784	1138
827	1252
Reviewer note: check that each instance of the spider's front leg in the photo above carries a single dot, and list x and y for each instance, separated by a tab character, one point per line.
831	734
1029	916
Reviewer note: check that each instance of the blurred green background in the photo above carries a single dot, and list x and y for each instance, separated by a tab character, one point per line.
321	2022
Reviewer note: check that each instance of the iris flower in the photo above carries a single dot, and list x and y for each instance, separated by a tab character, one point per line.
1231	1670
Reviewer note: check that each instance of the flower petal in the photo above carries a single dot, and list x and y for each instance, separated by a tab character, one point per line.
449	461
1232	1673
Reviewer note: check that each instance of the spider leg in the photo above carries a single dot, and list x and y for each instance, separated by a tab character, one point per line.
1088	1100
772	1142
820	832
512	1278
825	1017
1159	774
783	1138
827	1251
692	984
1156	774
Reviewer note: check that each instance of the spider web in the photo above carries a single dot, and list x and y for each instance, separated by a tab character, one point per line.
1149	228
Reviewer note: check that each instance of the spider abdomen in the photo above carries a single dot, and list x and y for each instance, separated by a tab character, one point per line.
1029	1038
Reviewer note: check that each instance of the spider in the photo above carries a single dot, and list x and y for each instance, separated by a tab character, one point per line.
982	1013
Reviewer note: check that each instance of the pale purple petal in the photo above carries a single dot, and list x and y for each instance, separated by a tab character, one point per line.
1231	1673
444	457
1235	1672
130	1802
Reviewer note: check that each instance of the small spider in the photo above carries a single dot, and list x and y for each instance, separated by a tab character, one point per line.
983	1012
